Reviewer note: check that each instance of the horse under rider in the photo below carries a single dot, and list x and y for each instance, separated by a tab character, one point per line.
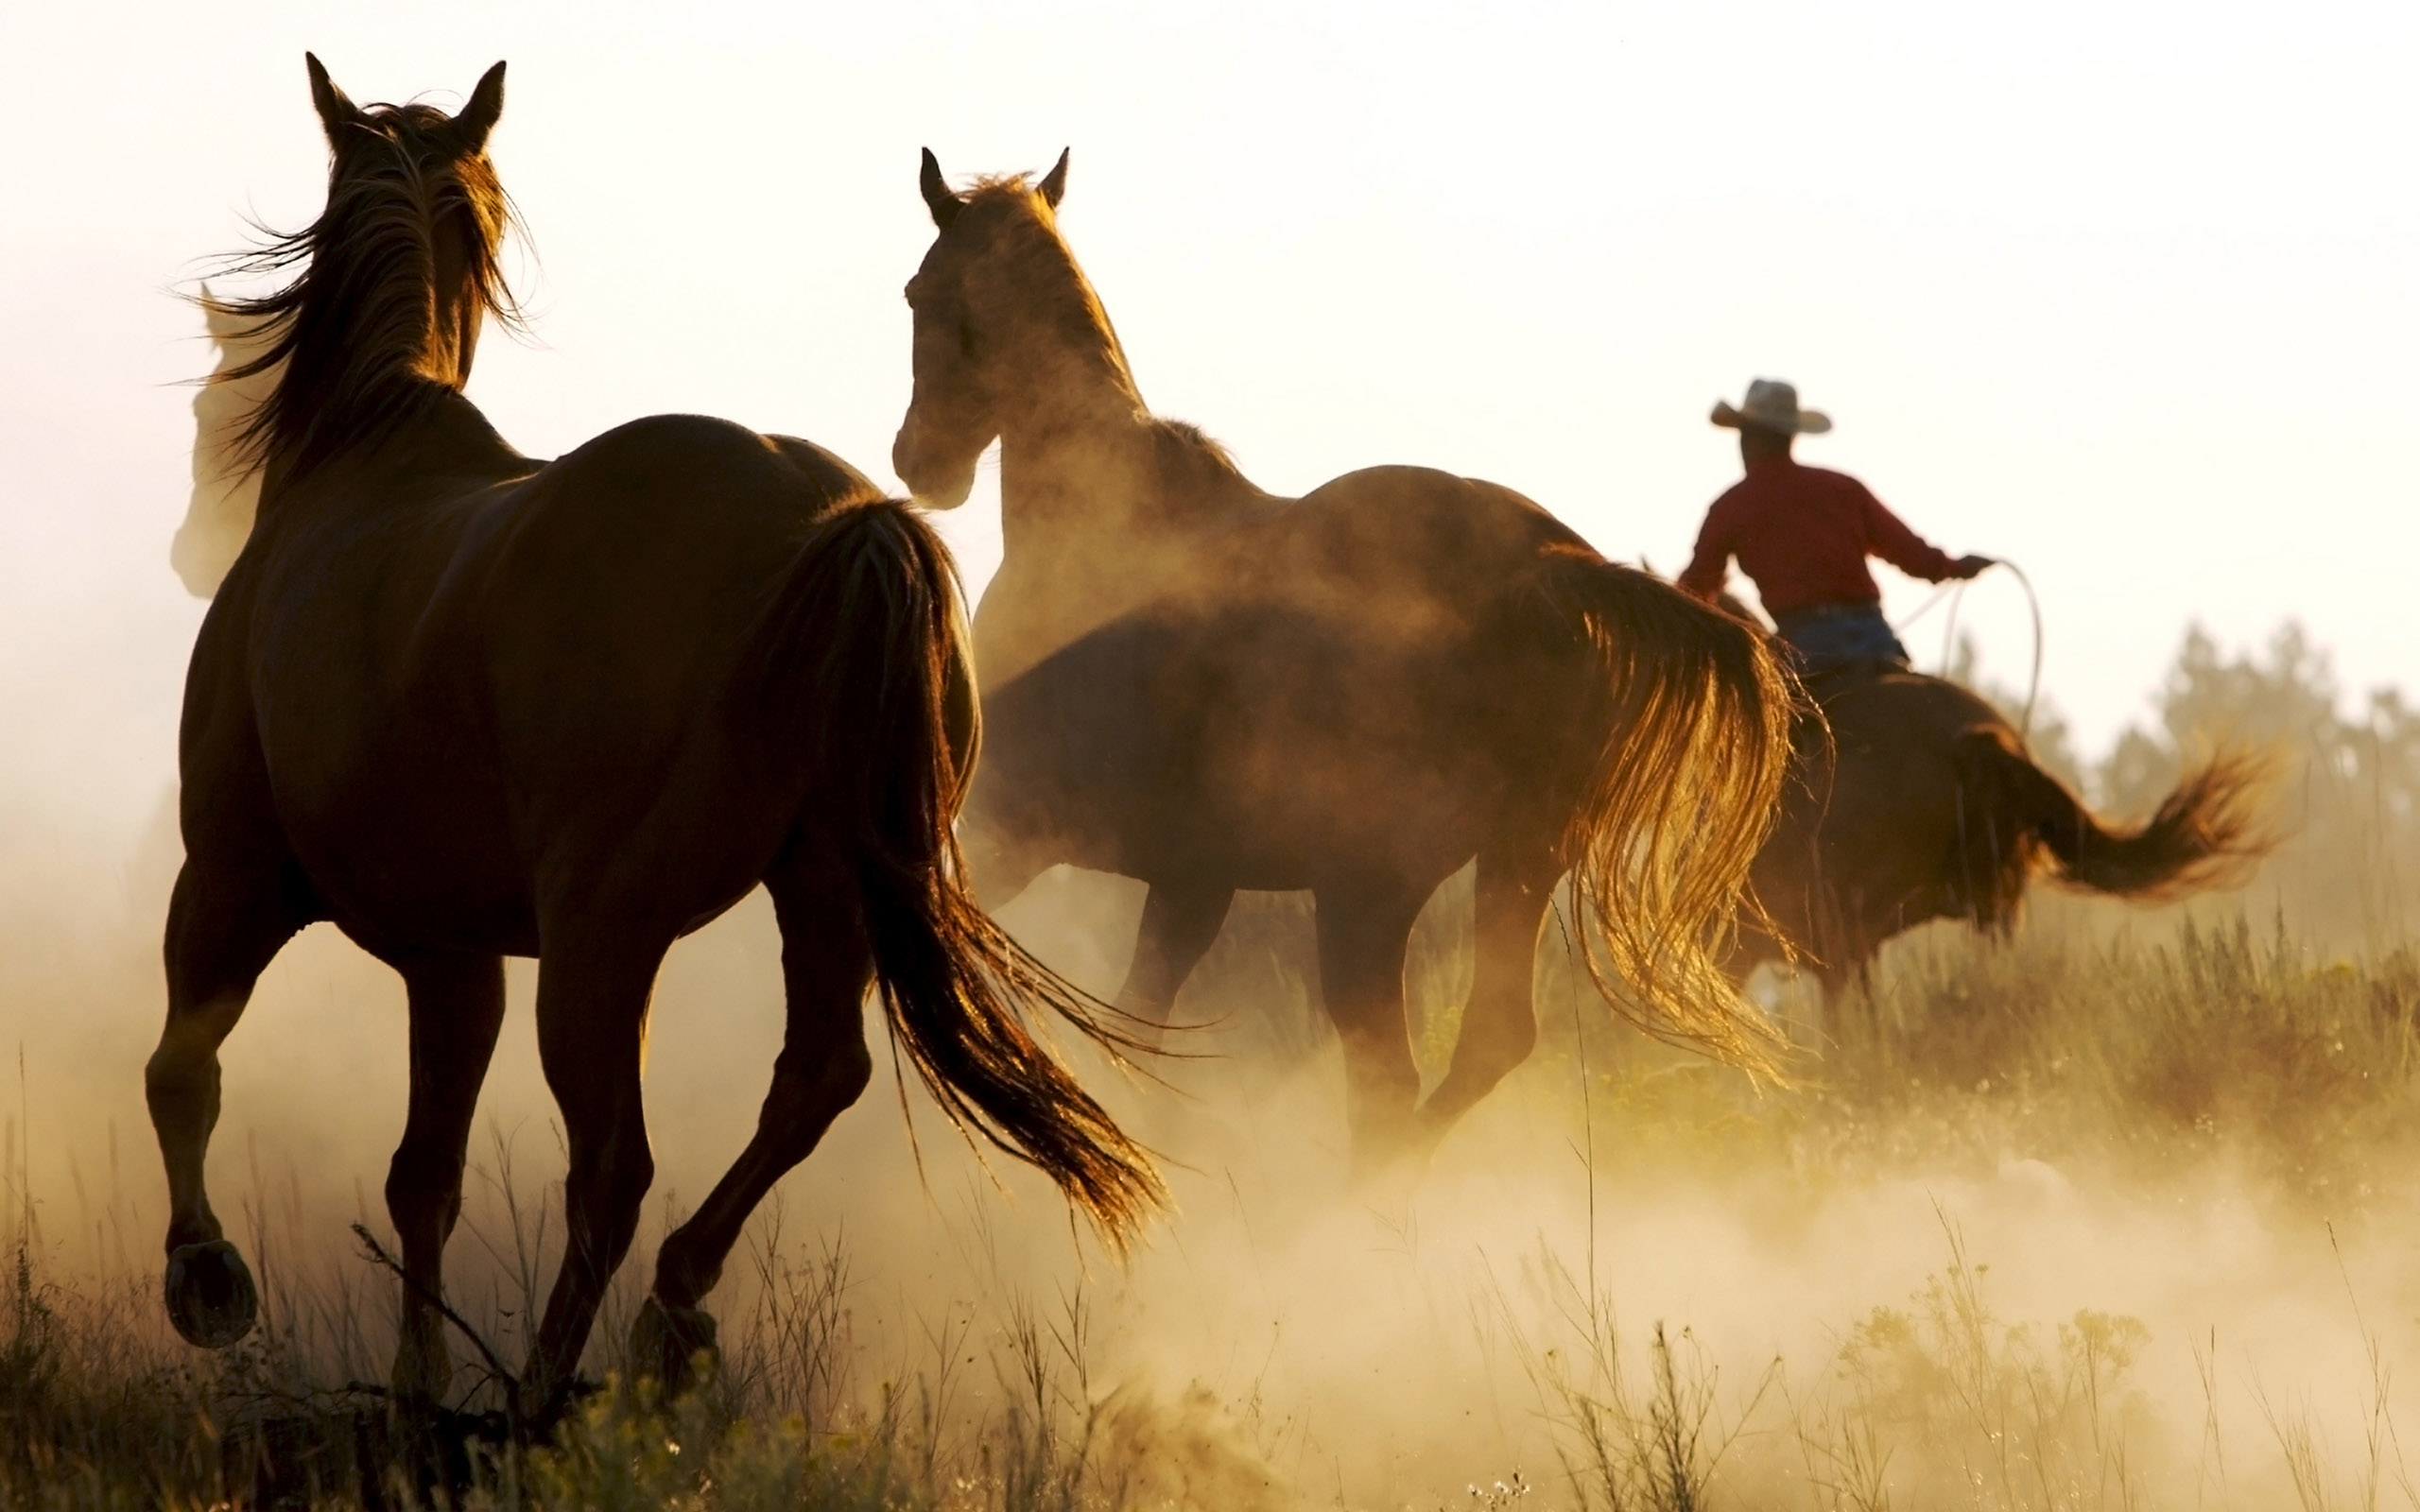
1802	535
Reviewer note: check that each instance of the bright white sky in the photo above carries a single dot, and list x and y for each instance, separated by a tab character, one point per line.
2125	294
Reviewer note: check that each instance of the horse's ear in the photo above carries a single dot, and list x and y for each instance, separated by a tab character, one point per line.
221	321
938	198
336	111
1054	183
480	118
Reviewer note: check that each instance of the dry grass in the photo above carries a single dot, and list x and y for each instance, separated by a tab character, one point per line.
2139	1060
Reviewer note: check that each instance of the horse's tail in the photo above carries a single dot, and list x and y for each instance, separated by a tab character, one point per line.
1683	788
2208	832
870	627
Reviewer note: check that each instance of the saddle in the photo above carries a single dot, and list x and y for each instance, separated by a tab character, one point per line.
1828	680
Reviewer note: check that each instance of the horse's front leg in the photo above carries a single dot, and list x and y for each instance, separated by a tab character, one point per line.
226	921
1181	921
1001	859
1364	930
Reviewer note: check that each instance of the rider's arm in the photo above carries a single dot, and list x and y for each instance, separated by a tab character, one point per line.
1888	537
1711	562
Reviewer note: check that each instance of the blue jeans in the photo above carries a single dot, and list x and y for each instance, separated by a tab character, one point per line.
1834	635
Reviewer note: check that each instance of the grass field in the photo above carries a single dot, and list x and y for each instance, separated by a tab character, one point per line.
2087	1221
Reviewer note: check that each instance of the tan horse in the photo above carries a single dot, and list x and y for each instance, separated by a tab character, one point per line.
226	492
1191	681
467	704
1923	804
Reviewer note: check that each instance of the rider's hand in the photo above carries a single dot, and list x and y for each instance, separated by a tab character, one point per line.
1970	565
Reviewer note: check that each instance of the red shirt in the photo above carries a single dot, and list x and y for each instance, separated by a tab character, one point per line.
1802	535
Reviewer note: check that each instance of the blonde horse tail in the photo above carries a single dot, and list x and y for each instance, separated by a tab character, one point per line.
872	608
1686	784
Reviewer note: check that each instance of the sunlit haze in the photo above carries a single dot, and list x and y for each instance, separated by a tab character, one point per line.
2128	296
2123	295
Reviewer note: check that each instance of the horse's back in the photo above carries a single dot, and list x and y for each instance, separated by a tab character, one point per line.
1394	526
638	545
1259	738
601	577
1884	817
518	678
1905	710
623	606
1334	685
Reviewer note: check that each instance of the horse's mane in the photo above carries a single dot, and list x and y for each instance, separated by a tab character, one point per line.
1190	465
1044	268
1193	466
352	328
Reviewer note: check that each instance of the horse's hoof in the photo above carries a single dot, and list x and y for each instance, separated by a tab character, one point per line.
210	1294
676	1344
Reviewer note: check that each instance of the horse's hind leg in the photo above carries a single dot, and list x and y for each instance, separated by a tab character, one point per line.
225	923
1181	921
822	1068
593	980
456	1007
1500	1022
1364	928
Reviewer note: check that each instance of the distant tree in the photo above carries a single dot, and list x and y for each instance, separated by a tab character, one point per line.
2349	786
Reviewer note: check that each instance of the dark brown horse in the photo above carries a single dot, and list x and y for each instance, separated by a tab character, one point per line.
1192	682
1922	804
466	704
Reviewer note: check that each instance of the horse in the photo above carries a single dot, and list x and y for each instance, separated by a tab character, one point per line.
1194	682
1916	799
465	704
226	493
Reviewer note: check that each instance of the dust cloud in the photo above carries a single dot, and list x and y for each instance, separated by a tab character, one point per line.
1283	1340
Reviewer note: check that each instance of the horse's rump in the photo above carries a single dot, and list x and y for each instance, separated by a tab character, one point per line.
1924	803
860	657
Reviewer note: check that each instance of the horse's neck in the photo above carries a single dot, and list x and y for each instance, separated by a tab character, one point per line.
455	439
1065	486
1096	521
447	448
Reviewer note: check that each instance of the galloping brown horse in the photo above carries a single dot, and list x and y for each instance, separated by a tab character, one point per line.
1922	804
466	704
1193	682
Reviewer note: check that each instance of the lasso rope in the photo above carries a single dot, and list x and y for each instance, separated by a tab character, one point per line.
1956	593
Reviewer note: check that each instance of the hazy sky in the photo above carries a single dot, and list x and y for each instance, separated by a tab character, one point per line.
2124	294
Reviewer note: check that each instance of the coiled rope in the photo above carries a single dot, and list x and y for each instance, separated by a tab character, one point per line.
1956	593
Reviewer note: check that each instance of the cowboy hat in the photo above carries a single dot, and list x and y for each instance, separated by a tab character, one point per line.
1770	405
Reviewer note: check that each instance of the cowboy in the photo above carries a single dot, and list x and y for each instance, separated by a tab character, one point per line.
1802	535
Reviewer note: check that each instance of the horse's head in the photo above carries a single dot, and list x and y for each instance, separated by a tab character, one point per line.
394	278
998	303
413	171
